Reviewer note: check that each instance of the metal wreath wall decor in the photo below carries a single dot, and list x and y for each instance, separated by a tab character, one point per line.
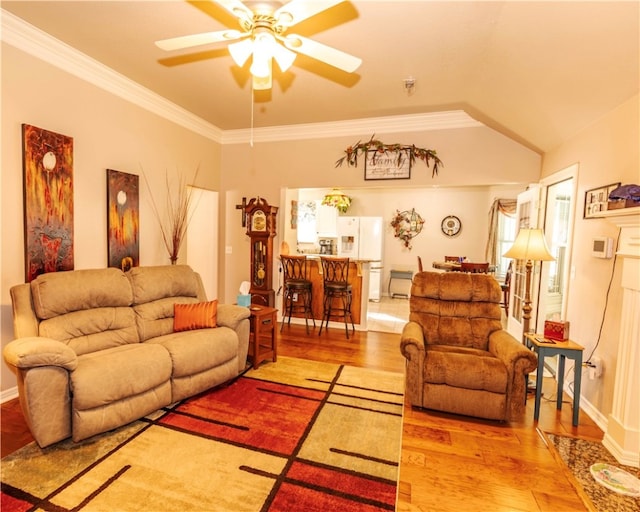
407	225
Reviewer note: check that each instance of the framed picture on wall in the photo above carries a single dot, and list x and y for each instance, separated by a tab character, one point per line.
387	165
123	224
48	201
597	199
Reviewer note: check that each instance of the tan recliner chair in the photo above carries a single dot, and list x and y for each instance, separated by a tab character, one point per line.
459	358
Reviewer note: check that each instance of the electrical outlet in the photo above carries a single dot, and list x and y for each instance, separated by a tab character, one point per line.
595	367
596	364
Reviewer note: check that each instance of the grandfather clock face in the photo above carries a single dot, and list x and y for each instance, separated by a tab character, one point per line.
258	222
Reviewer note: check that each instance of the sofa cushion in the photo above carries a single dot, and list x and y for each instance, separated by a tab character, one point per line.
457	286
200	315
93	330
57	293
108	376
153	283
464	367
195	351
456	308
155	318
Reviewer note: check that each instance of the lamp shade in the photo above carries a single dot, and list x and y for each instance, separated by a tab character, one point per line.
530	244
338	200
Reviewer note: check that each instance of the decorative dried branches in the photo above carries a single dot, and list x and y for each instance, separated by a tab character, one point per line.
178	214
362	148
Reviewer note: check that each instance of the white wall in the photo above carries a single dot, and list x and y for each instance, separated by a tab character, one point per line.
473	157
606	152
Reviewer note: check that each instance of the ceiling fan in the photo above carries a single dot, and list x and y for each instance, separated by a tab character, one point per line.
264	24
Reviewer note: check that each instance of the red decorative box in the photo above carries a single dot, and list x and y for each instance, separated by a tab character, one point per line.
556	330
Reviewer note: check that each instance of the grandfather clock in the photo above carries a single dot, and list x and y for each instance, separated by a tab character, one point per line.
261	228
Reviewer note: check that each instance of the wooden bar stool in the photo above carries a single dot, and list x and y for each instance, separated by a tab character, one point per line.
297	289
335	275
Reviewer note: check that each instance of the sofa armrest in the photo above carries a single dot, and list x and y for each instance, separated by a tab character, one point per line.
230	315
237	318
42	367
37	351
506	348
412	348
412	340
519	361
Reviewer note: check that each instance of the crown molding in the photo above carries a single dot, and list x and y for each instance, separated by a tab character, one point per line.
378	125
20	34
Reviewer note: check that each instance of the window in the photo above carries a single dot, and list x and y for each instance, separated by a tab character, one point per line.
307	232
506	236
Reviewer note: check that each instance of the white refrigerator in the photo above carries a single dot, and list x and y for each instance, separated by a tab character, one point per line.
361	238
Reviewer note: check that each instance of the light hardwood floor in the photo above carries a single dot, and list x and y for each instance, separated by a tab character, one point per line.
449	463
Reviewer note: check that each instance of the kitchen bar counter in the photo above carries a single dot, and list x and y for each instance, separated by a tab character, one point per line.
358	278
317	293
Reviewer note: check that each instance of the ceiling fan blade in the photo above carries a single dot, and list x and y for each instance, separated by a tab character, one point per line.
298	10
324	53
237	8
178	43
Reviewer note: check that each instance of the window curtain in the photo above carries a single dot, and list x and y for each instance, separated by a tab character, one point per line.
507	207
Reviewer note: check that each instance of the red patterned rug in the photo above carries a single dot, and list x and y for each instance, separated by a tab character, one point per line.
294	435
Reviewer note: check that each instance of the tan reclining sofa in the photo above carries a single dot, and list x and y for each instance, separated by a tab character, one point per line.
96	349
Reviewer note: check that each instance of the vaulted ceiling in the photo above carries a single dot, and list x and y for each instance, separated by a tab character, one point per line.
538	72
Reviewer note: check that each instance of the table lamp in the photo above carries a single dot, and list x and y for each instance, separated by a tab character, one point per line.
530	245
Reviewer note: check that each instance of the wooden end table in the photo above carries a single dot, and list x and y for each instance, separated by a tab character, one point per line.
563	349
262	336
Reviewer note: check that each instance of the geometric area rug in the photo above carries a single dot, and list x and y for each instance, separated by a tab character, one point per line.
294	435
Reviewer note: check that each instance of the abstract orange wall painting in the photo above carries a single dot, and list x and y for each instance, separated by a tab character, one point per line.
48	201
123	224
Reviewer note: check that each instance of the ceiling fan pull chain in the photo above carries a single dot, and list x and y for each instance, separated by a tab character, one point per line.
252	104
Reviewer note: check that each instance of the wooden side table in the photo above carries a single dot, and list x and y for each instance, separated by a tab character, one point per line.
563	349
262	338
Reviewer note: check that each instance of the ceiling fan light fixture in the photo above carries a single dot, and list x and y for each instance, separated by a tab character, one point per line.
262	83
262	54
283	57
263	24
241	51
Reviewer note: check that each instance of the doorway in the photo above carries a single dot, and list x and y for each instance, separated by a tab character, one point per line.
559	209
550	205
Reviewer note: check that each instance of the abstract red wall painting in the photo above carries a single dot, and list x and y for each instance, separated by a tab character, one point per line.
48	201
123	223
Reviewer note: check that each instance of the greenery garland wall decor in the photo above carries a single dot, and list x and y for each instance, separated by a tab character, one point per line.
407	225
361	148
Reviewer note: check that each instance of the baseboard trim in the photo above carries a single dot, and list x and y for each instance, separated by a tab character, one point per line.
9	394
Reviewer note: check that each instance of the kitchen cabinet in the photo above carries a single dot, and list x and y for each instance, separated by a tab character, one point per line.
326	221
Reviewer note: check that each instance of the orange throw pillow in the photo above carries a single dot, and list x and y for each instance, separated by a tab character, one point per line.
201	315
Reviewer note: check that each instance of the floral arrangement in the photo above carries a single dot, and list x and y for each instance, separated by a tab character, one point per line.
407	225
338	200
361	148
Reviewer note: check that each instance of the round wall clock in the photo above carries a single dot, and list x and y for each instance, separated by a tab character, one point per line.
451	225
